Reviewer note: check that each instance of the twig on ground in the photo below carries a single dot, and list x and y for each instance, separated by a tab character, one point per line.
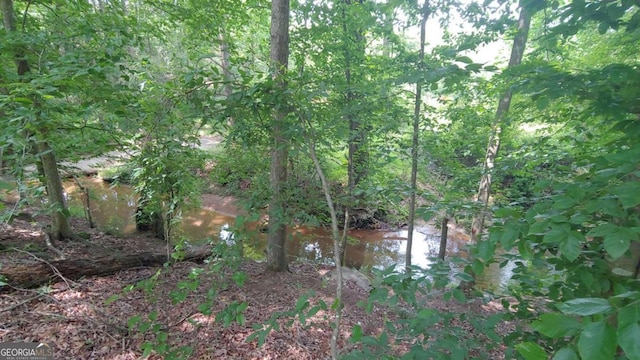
21	303
176	323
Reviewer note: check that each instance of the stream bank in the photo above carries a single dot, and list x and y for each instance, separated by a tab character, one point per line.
113	209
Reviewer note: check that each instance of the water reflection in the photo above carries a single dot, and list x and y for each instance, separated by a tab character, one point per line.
113	210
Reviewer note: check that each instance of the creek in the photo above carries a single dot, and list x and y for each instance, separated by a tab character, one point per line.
113	209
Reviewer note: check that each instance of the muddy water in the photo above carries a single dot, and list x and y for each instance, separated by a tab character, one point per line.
113	210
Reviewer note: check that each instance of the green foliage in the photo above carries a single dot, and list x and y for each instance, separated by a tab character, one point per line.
206	281
302	312
241	170
433	334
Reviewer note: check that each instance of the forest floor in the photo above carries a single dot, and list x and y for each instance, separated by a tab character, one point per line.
90	318
78	321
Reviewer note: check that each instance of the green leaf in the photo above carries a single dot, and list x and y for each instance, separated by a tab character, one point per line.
459	295
356	333
486	250
564	202
464	59
153	316
628	194
629	340
585	306
473	67
555	325
608	206
302	303
239	278
133	321
572	245
509	237
602	230
629	314
531	351
597	342
558	234
566	354
616	244
538	228
23	100
370	340
426	313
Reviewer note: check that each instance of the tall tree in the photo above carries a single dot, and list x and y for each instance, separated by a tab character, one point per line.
279	54
416	135
354	52
226	66
484	189
60	228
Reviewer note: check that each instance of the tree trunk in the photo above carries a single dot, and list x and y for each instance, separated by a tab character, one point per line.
484	189
60	228
9	25
276	248
31	275
338	247
226	68
358	155
60	225
444	233
416	137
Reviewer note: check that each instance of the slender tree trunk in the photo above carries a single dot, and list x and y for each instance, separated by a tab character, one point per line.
276	248
416	137
338	250
444	232
60	228
484	189
226	68
9	25
358	155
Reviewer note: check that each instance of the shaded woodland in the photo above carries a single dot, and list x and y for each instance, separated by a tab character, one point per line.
516	122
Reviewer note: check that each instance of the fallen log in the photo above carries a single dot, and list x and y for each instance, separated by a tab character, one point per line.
42	272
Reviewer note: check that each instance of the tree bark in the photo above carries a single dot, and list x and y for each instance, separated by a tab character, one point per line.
36	274
444	233
279	53
338	248
60	228
8	20
60	225
357	154
226	68
416	137
484	189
